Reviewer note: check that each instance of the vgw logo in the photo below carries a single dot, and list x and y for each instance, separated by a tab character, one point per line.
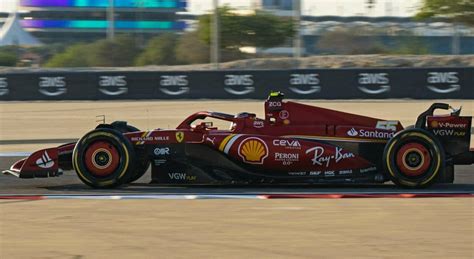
374	83
174	84
443	82
239	84
181	176
52	86
305	83
3	86
449	132
113	85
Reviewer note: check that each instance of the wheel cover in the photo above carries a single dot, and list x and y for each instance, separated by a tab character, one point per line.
101	158
413	159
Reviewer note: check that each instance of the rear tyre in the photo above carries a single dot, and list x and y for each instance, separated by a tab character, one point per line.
104	158
414	158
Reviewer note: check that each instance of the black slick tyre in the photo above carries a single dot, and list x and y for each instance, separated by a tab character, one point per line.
142	163
414	158
104	158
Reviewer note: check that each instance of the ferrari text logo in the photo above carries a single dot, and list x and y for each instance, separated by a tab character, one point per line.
179	136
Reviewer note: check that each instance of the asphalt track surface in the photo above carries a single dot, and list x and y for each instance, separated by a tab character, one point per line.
69	183
216	228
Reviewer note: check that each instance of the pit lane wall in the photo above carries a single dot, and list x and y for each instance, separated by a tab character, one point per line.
415	83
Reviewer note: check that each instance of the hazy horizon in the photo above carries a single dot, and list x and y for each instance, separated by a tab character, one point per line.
309	7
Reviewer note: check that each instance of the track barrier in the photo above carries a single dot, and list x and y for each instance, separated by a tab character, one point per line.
357	83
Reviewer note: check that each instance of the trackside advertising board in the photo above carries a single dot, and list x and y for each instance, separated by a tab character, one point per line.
414	83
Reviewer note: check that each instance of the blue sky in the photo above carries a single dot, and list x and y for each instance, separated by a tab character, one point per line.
309	7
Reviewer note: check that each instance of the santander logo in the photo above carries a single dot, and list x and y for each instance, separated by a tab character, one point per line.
363	133
352	132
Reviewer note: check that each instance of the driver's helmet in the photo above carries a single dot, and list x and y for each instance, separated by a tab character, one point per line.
242	115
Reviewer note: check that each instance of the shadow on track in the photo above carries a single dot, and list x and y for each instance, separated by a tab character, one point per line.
143	188
70	184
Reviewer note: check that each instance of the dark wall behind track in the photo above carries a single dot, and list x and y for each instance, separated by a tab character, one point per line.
416	83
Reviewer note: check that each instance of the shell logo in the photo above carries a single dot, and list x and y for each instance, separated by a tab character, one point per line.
253	150
434	124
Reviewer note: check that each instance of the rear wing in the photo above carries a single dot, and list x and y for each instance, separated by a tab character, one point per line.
452	130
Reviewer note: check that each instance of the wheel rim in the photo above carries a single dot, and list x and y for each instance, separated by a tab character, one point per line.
101	158
413	159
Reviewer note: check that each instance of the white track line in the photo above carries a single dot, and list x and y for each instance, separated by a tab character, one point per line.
14	154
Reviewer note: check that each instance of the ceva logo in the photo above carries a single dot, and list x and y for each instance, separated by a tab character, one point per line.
113	85
52	86
443	82
239	84
378	83
174	84
305	83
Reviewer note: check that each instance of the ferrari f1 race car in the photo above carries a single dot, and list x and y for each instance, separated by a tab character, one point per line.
293	144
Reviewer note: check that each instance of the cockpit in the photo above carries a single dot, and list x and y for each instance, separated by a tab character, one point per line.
206	120
216	121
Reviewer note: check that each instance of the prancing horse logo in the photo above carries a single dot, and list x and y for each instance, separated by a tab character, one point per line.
179	136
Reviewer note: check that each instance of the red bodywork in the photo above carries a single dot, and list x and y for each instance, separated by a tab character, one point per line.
292	138
293	143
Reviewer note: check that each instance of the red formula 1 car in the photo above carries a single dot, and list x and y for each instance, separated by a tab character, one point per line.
294	143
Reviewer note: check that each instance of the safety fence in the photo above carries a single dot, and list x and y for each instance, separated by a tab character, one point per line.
380	83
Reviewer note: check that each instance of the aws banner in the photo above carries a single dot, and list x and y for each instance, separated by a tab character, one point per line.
415	83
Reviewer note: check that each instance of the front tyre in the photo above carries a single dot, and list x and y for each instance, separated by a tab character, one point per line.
143	163
413	158
104	158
